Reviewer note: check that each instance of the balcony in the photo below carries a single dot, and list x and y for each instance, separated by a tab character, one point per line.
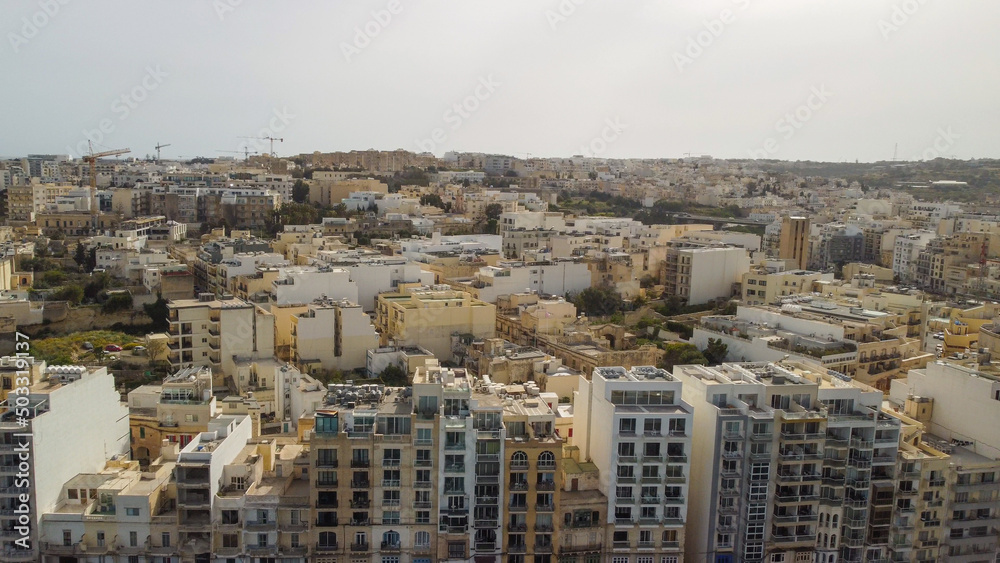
359	547
518	507
545	486
486	546
543	548
423	484
361	484
390	483
360	463
361	503
391	547
673	500
544	508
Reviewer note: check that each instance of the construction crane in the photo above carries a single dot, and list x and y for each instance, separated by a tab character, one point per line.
158	147
268	138
92	159
245	152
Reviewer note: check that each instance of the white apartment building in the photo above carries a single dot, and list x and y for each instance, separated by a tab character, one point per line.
635	427
790	463
700	274
955	391
305	284
906	249
375	274
58	445
506	278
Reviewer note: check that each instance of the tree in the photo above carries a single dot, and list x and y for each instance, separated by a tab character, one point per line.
300	192
432	199
158	312
71	293
395	376
117	301
680	353
493	211
716	351
154	349
80	255
598	301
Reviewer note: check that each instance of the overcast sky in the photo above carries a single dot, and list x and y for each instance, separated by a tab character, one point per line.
787	79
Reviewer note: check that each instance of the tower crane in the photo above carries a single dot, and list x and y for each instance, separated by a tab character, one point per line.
92	159
158	147
268	138
245	152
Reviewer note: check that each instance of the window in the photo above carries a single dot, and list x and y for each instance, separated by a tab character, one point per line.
456	550
165	539
131	512
262	540
327	539
390	539
360	538
67	537
626	426
133	539
422	539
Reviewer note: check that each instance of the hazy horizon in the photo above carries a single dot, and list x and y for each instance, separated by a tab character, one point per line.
735	79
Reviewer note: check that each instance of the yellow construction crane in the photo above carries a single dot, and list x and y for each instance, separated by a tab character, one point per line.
92	159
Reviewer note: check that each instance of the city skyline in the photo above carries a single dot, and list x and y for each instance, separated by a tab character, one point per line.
733	79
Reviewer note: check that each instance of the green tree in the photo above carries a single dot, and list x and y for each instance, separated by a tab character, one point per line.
300	192
493	211
680	353
432	199
598	301
80	255
716	351
158	312
117	301
71	293
395	376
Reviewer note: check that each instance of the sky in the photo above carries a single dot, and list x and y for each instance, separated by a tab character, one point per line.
831	80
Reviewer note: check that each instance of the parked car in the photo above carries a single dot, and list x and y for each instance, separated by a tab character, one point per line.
87	346
112	348
139	351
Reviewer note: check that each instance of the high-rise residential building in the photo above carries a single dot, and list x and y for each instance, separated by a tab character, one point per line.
697	273
946	503
794	241
214	332
49	433
453	469
635	428
790	463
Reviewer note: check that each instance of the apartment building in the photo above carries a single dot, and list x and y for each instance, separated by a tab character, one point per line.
433	317
767	283
633	425
331	335
175	411
211	332
946	500
793	243
58	447
698	274
552	278
802	464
